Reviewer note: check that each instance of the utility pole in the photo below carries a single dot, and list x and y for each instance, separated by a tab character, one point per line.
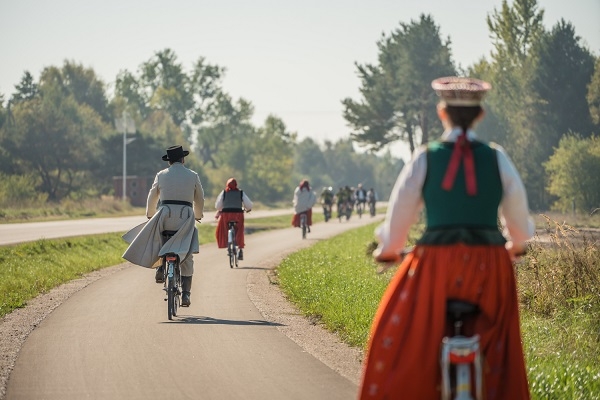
126	125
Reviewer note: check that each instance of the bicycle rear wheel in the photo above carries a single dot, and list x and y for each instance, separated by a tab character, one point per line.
231	253
171	304
303	225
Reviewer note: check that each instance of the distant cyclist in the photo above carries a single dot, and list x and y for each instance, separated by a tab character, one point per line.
327	201
372	201
230	206
304	200
360	196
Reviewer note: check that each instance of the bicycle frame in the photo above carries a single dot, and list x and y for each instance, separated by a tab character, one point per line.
461	354
231	244
303	224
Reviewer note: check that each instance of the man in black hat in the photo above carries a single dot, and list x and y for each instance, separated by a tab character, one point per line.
175	202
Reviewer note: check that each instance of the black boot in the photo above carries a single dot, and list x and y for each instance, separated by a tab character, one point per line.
241	255
186	288
160	275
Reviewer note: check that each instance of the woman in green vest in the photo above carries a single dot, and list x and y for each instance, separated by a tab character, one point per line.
464	185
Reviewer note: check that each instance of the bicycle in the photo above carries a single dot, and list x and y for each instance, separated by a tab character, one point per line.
172	279
360	207
327	212
303	224
232	250
372	208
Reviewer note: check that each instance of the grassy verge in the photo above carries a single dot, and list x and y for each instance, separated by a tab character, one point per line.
30	269
334	282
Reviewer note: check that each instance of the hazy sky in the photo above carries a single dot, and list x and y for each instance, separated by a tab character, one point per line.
293	59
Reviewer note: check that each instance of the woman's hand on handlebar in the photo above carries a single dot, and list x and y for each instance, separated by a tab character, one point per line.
516	251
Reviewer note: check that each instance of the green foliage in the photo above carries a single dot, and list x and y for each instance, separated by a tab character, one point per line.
572	171
593	96
19	191
396	94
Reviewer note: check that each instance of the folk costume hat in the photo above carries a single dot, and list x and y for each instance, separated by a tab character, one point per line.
461	92
175	153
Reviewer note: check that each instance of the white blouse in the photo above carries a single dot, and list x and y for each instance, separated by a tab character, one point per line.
406	201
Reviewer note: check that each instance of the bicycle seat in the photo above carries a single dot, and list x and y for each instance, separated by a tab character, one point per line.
231	223
168	234
460	308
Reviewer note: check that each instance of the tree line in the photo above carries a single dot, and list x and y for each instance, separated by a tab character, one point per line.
58	137
544	107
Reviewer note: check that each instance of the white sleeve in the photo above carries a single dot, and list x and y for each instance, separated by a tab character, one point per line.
247	202
514	209
219	202
404	207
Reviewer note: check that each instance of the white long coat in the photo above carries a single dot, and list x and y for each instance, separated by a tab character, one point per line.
174	183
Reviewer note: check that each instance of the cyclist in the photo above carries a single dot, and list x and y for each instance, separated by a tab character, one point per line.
464	185
372	200
341	199
327	201
304	200
175	202
360	196
230	205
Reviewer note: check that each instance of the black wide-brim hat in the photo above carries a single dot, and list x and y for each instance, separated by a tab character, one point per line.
175	153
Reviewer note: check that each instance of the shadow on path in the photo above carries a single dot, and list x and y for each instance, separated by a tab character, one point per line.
196	320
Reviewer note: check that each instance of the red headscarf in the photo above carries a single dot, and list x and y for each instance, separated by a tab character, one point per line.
231	184
304	184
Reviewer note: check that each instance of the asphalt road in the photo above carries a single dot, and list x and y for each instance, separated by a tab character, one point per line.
112	340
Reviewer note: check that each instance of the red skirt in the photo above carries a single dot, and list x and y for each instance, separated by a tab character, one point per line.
402	360
296	219
222	228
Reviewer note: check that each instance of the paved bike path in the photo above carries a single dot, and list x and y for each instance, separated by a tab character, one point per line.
112	340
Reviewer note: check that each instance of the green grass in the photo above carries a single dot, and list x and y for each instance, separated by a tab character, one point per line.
33	268
335	283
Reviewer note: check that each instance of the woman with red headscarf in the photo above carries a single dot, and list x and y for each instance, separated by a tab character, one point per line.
304	200
230	206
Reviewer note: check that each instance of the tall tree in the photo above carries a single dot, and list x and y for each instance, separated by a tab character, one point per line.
271	161
514	31
167	85
398	102
593	96
561	77
55	137
26	89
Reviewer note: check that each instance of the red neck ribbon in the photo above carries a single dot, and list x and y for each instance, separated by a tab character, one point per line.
462	152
